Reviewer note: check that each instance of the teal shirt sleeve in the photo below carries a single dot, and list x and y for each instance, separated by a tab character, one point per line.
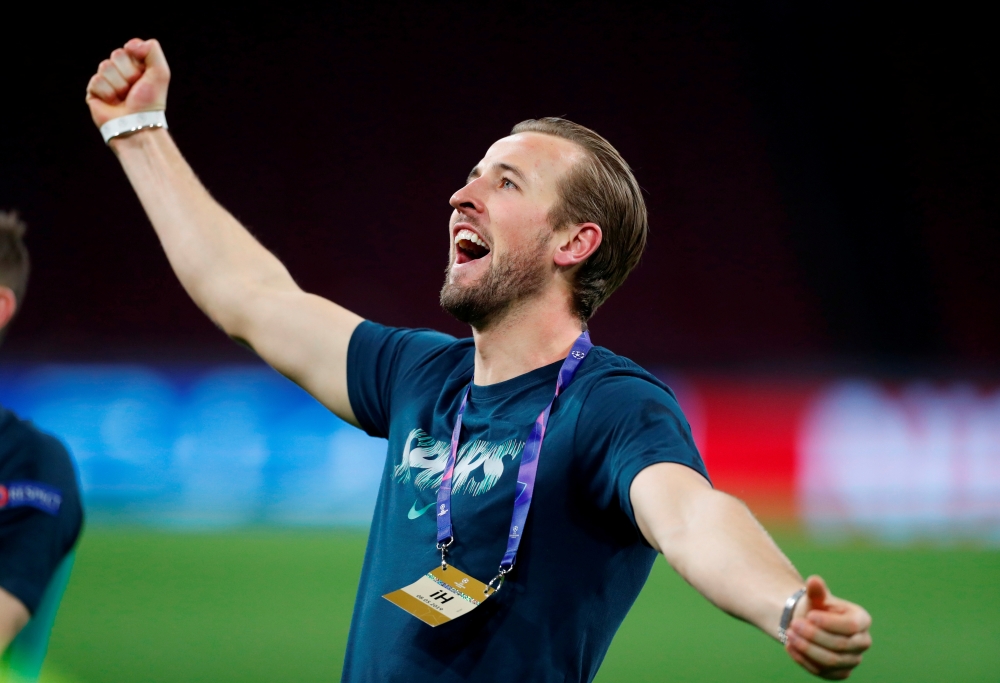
379	361
631	420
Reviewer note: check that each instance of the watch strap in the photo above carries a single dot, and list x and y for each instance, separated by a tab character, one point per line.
786	614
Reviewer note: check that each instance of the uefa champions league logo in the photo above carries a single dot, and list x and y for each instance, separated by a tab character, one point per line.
443	511
513	532
578	354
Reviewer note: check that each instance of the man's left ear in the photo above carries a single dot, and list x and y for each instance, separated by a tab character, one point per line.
8	305
579	243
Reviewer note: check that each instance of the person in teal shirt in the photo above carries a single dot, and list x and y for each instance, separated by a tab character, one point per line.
548	224
40	510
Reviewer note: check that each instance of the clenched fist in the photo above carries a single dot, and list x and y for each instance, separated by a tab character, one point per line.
132	80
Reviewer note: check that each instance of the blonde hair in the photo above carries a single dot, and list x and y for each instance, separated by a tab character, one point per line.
601	190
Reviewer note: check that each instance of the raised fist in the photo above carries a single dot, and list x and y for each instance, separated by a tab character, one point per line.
133	79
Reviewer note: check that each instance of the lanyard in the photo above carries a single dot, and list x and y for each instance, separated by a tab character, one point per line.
525	473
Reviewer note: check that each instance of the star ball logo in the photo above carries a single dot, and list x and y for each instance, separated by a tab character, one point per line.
578	354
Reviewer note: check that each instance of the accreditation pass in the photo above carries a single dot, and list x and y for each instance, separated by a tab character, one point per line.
441	595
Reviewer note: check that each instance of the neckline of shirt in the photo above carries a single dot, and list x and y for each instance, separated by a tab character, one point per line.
545	374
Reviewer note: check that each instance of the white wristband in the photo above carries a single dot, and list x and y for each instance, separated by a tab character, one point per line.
133	122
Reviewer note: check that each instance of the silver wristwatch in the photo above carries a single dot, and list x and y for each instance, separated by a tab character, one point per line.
786	614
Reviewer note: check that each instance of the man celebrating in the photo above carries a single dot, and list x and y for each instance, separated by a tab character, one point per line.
525	417
40	512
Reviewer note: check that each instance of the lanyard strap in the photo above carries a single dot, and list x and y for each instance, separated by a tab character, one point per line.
525	473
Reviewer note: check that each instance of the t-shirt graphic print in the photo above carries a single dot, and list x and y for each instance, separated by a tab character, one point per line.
478	467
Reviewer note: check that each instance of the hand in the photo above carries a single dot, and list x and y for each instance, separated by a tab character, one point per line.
133	79
828	635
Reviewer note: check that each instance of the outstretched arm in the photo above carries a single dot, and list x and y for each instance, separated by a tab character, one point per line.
713	541
13	616
238	283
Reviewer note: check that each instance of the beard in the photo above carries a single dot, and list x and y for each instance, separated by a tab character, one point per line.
517	277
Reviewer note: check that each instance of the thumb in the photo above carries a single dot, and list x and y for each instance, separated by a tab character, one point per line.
817	592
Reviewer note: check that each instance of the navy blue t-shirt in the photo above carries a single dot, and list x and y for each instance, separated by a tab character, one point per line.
582	560
36	534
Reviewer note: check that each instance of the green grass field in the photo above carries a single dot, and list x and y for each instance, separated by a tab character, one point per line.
275	605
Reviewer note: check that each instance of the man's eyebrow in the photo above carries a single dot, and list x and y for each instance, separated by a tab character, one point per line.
513	169
476	172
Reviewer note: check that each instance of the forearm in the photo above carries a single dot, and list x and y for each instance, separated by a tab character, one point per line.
13	616
723	552
217	260
713	541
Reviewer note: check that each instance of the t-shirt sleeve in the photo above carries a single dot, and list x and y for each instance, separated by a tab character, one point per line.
35	538
379	358
633	423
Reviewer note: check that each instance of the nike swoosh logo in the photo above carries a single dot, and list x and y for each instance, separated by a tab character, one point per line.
414	512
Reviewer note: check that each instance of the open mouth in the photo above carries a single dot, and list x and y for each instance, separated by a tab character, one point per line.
469	247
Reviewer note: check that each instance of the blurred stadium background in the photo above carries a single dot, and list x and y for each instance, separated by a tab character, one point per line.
820	291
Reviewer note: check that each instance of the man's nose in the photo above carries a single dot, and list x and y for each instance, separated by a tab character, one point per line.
468	198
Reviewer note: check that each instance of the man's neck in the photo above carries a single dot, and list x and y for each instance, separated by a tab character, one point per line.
535	334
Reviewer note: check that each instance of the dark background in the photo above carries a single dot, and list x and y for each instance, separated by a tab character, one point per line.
822	182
